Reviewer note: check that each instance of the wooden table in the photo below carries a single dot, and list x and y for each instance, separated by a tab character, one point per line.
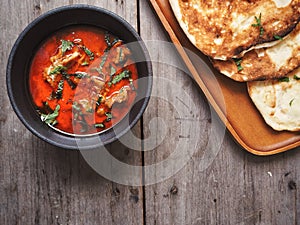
43	184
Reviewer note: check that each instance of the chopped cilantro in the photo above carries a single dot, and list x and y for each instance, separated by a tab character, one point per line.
259	25
78	75
109	43
99	125
108	116
238	63
50	118
284	79
107	39
277	37
59	91
103	60
119	77
296	77
99	100
58	70
90	110
85	63
76	106
66	45
112	71
88	52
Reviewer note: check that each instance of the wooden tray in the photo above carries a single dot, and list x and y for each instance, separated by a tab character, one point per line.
233	105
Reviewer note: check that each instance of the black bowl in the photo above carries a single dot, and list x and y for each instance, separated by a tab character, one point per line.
34	34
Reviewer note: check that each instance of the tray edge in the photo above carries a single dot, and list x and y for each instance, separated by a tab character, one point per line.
207	93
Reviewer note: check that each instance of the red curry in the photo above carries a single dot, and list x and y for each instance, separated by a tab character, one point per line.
83	80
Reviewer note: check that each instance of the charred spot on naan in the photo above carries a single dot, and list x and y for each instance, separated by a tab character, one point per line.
265	63
227	29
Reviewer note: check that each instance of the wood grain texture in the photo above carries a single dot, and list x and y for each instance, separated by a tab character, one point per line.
42	184
237	187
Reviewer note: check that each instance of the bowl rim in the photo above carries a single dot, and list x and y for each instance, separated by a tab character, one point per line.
116	136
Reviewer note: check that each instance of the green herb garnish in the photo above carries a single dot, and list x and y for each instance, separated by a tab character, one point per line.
77	75
238	63
79	117
291	102
76	106
58	70
112	71
66	45
107	39
59	91
100	68
69	81
83	123
296	77
90	110
80	75
109	43
50	118
99	100
104	58
85	63
284	79
88	52
277	37
108	116
259	25
119	77
99	125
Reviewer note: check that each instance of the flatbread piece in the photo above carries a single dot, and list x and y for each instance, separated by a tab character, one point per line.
265	63
278	101
224	29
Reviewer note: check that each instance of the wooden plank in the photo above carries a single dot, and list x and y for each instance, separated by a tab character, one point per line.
42	184
236	188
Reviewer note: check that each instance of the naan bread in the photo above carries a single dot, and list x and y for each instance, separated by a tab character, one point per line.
225	29
266	63
278	101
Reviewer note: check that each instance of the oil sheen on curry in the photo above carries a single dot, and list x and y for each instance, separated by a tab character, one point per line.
83	80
